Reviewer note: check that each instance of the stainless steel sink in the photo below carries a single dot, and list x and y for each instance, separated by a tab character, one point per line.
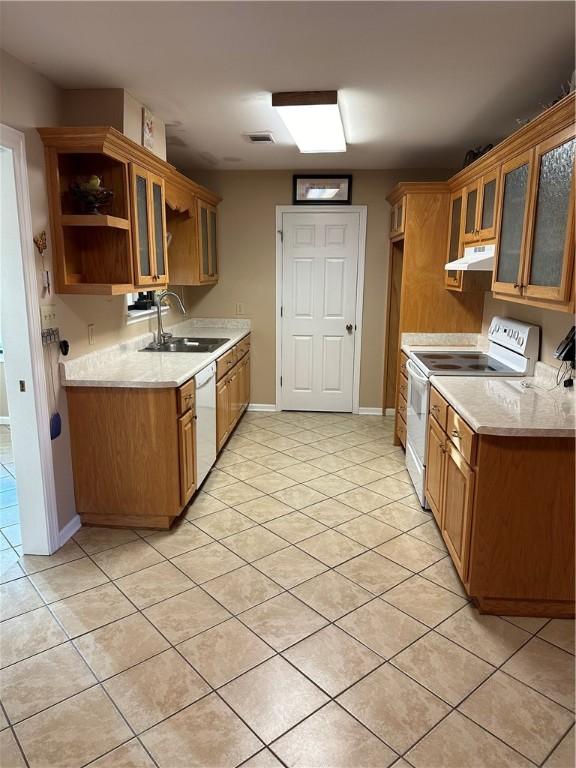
186	344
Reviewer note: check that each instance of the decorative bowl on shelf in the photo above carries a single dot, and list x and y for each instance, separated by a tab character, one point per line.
90	195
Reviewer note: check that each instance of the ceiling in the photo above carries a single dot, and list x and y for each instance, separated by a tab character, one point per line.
419	82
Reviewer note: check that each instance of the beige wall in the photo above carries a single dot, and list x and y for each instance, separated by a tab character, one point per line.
27	101
248	265
554	325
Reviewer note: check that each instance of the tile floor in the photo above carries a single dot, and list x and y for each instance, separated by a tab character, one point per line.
304	613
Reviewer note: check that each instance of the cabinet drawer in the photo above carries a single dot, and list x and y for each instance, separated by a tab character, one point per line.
403	387
242	347
401	430
402	407
225	363
186	396
461	435
403	359
438	408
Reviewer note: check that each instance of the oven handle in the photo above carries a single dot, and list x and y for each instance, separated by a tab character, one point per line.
415	372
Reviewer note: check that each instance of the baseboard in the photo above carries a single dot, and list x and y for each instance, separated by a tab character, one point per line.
263	407
70	529
369	411
5	420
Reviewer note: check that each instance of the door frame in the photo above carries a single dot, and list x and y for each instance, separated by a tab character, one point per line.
39	525
362	210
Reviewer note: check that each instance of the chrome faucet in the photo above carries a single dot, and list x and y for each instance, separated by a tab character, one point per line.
161	335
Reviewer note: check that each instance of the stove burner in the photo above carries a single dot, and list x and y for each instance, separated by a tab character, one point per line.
478	367
439	356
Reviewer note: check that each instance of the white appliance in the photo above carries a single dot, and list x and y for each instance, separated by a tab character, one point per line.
205	421
477	258
512	351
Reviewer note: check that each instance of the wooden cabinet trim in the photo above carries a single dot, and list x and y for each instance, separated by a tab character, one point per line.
186	396
461	435
438	408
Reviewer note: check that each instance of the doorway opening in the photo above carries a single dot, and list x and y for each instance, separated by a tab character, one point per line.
29	474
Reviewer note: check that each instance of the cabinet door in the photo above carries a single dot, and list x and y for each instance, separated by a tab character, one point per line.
455	238
187	447
458	497
222	412
144	271
435	463
513	219
471	198
207	244
488	192
233	385
160	259
213	235
551	247
247	381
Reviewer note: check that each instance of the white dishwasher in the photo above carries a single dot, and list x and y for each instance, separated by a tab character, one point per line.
205	421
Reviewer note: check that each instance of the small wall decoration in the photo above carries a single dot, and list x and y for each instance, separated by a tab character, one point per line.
322	190
147	128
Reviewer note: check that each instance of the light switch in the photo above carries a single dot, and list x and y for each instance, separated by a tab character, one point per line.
239	308
91	333
48	316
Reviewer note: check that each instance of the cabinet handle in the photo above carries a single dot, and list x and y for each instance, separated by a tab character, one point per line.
435	409
518	285
457	434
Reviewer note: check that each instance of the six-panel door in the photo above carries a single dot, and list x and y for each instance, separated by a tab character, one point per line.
320	272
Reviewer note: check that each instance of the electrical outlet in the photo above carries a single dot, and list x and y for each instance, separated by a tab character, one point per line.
48	316
239	308
91	333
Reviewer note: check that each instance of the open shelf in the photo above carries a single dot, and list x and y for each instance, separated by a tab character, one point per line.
94	220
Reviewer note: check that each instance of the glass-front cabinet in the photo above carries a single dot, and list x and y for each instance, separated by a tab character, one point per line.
515	179
149	229
535	255
480	208
208	242
453	278
550	252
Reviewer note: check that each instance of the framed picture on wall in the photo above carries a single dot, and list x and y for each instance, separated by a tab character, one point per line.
322	190
147	128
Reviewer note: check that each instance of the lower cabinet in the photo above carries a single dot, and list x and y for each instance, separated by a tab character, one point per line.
457	503
232	389
133	454
187	446
505	508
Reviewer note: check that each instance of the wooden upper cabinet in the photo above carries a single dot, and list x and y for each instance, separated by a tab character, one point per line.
149	232
516	178
550	247
398	219
207	242
480	208
455	239
123	245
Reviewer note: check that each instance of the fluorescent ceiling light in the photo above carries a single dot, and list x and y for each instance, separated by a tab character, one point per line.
313	120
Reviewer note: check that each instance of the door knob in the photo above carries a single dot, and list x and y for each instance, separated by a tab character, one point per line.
349	327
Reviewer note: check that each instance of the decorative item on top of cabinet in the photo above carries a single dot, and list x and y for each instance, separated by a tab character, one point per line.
535	254
505	508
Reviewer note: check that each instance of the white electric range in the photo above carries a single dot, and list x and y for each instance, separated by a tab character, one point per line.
512	351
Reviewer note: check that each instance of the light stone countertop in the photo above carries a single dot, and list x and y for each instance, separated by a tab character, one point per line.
123	365
531	407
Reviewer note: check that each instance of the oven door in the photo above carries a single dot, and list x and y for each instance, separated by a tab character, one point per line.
417	413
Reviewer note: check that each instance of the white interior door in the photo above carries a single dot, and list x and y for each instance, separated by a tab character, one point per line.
319	288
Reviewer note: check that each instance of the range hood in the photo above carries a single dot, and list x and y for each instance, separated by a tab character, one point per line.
479	258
